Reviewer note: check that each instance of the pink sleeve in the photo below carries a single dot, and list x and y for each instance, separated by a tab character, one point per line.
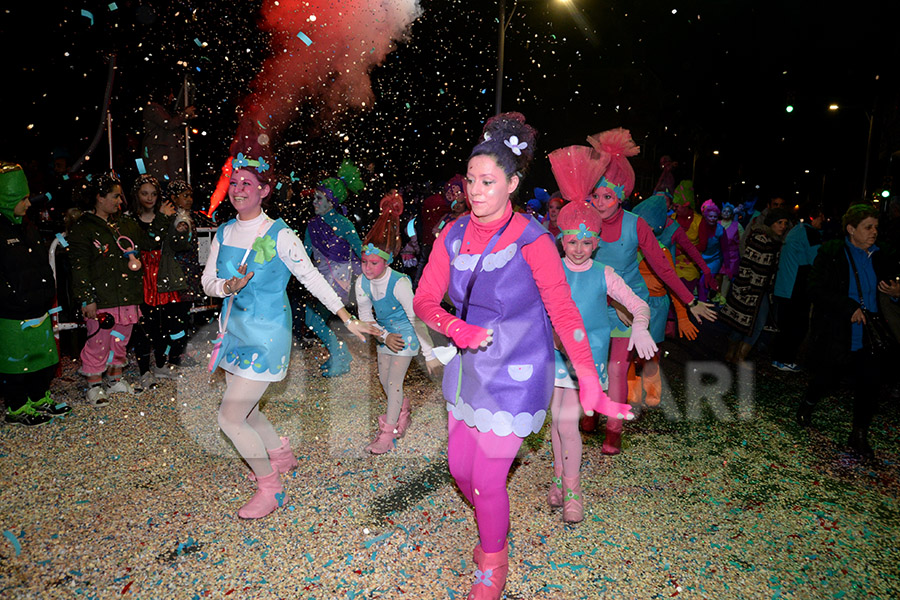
619	291
547	268
681	239
432	287
661	266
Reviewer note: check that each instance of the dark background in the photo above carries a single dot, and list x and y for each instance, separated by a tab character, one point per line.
714	76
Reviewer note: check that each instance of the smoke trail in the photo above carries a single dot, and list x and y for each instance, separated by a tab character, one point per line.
322	50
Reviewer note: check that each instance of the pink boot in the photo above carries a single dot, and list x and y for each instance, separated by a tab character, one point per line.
386	435
573	507
613	442
555	495
282	459
403	421
490	577
269	496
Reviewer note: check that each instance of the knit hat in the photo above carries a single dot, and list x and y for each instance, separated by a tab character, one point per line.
654	211
13	189
776	214
576	170
614	147
579	219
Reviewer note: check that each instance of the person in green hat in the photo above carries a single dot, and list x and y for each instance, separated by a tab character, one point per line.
28	354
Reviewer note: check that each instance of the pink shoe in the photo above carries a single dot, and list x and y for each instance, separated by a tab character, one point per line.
555	495
386	435
403	421
613	442
573	506
269	496
283	459
490	576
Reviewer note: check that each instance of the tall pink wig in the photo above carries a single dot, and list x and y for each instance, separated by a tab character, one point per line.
614	147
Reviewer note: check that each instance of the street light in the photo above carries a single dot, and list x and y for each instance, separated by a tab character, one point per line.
870	117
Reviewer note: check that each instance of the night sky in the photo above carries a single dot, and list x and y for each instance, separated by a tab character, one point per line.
686	77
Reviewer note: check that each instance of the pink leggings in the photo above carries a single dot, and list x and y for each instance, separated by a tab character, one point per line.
619	361
480	463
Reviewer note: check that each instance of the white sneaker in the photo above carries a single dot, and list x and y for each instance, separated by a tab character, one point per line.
97	396
167	372
121	386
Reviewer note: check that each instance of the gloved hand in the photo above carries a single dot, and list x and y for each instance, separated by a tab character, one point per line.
686	328
593	398
711	282
469	336
642	342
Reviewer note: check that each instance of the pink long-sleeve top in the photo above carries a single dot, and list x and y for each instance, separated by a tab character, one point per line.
546	268
611	231
684	242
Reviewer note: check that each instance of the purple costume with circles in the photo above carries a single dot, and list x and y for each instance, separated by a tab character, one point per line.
506	387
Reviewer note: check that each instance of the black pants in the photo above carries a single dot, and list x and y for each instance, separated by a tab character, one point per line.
865	373
792	318
161	328
18	388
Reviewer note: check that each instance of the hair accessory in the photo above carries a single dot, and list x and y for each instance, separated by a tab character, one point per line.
581	233
513	144
618	189
242	161
487	135
370	249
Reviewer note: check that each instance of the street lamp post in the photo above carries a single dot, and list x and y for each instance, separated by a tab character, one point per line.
501	46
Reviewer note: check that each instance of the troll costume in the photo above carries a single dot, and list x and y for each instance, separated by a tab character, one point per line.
498	386
622	236
333	244
590	282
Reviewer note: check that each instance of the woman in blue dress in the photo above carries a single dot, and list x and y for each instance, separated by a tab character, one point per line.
250	262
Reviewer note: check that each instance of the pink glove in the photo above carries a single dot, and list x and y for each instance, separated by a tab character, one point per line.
642	341
593	398
469	336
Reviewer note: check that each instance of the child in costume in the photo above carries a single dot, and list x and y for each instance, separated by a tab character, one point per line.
390	294
503	273
622	235
107	279
28	354
591	282
710	245
653	211
334	245
250	262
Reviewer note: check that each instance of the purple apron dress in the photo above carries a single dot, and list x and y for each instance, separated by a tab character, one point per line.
506	387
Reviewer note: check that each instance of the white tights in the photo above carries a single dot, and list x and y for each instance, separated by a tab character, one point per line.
247	428
392	371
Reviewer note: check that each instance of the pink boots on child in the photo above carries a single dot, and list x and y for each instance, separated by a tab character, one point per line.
555	495
389	432
269	496
269	491
490	576
573	505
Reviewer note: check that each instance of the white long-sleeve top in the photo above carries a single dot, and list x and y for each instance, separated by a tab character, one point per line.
404	294
289	248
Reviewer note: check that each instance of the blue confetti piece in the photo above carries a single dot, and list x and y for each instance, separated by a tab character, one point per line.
33	322
62	240
304	38
54	310
117	335
140	165
87	13
110	359
380	538
198	42
177	336
278	186
112	6
12	540
411	227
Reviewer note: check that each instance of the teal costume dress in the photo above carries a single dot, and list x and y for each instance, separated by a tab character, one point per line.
257	343
589	293
622	256
390	314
